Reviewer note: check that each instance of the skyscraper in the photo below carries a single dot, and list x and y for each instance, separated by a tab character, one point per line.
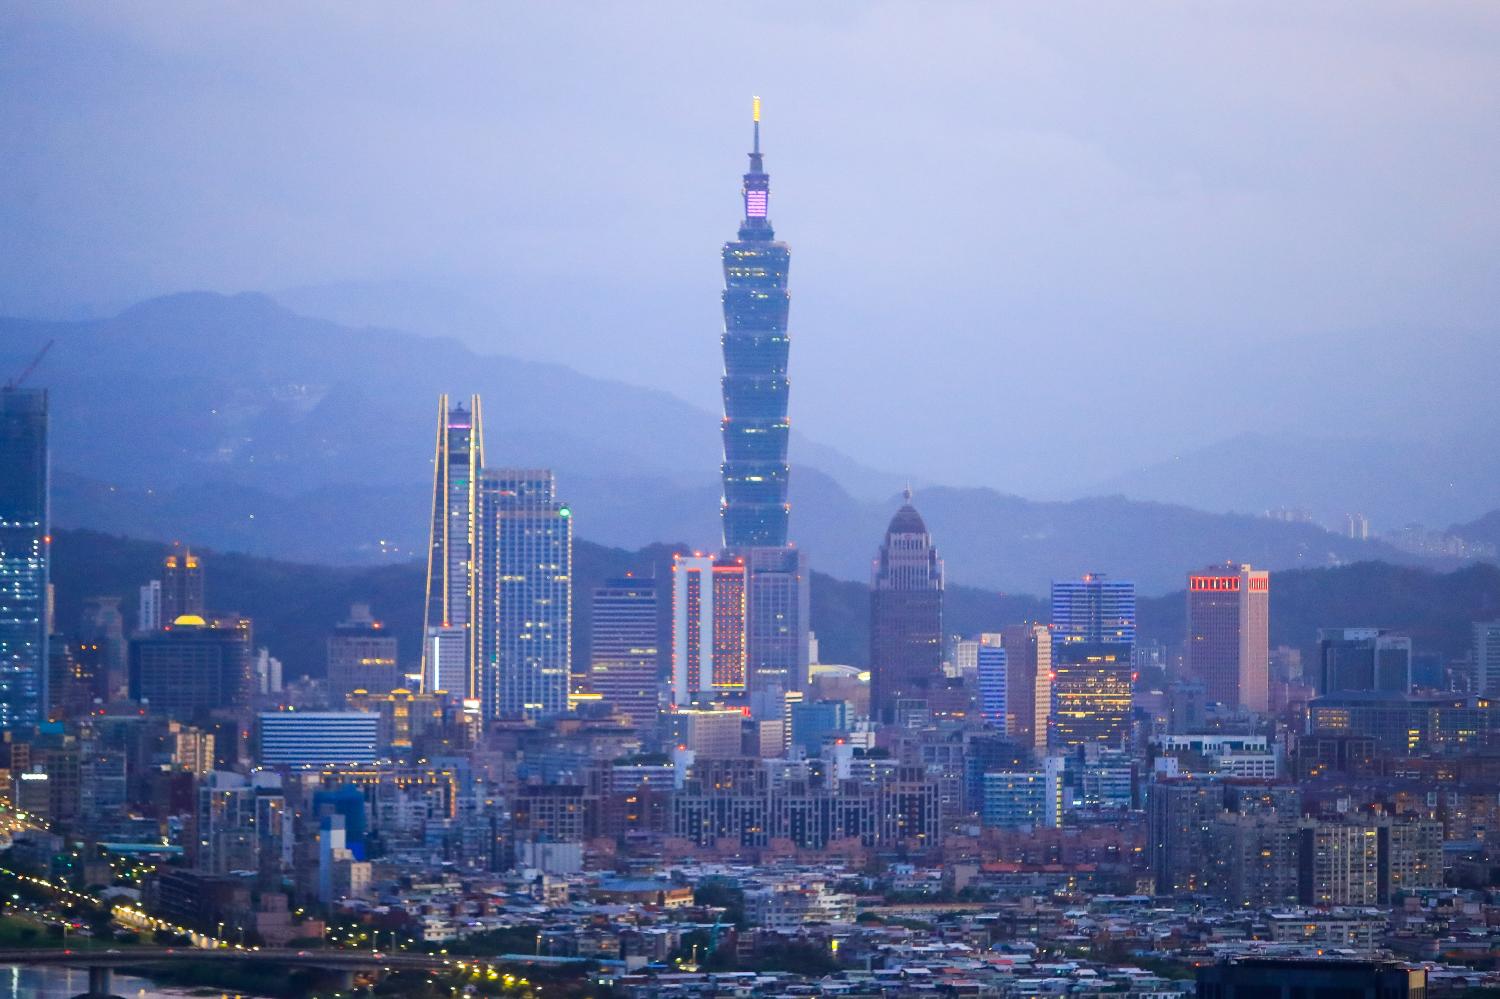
181	586
192	668
624	658
25	538
708	626
1028	683
1228	640
993	673
1091	688
1487	657
449	640
906	617
1363	659
361	656
148	615
1093	609
776	626
755	383
1093	634
526	594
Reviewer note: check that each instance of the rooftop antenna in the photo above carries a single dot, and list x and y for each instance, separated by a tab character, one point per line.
15	382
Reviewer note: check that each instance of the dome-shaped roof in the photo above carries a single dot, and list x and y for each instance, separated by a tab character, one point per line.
907	521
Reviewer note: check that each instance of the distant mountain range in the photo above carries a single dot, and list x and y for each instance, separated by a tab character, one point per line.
1391	481
232	422
295	605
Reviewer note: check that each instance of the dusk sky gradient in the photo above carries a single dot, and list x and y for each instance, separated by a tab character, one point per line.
1028	241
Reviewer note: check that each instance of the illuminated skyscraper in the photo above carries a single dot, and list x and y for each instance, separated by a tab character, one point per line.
624	659
181	586
906	618
24	556
755	371
1091	684
526	594
776	626
449	641
1093	609
1093	636
708	626
1228	640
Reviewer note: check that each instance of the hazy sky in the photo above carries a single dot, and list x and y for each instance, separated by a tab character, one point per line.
1027	239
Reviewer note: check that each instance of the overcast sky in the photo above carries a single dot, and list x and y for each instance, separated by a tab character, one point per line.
1024	238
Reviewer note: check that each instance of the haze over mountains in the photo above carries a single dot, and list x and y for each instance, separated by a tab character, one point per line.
237	423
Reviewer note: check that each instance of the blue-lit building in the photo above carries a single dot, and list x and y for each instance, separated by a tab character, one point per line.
815	721
1093	609
24	556
526	594
755	383
317	738
992	674
1093	637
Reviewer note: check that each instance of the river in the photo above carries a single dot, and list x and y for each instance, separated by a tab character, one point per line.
39	982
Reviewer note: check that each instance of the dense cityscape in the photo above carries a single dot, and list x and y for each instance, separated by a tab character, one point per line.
702	806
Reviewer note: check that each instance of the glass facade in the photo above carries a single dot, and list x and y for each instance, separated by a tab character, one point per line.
624	651
1093	609
526	599
449	640
24	556
755	373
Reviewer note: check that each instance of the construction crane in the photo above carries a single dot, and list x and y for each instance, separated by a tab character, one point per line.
26	371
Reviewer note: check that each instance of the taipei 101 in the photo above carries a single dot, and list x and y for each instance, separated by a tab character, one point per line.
559	500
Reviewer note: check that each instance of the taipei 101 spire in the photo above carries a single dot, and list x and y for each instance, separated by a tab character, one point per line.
755	363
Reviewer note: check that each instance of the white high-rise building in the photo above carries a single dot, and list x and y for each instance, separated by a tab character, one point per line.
1487	657
148	608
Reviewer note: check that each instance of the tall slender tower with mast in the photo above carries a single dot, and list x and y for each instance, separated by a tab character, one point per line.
756	428
450	651
754	508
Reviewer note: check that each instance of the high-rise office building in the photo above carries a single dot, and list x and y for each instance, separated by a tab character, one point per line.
755	383
624	653
1093	609
1355	659
450	642
708	626
526	594
148	612
25	539
1028	683
993	674
1091	694
1487	657
362	656
1093	638
1228	640
776	626
906	617
181	586
191	668
317	738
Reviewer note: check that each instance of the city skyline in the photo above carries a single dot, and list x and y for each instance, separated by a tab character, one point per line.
507	753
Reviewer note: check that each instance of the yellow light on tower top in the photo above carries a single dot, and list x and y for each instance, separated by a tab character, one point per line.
755	109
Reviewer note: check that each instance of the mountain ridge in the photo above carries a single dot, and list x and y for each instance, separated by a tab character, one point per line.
234	422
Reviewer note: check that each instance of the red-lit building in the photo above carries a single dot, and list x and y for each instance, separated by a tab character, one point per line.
1228	640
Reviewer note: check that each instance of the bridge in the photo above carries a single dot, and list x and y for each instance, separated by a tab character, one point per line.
102	963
